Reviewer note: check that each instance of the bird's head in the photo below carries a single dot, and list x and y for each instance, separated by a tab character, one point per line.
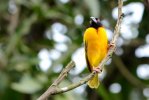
95	22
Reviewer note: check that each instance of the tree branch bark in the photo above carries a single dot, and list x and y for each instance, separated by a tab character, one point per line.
53	89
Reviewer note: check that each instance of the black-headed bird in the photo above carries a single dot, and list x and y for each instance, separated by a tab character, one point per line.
96	44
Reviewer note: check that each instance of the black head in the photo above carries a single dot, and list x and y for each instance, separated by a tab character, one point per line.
95	22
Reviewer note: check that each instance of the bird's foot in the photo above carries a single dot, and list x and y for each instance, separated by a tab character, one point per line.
111	45
97	69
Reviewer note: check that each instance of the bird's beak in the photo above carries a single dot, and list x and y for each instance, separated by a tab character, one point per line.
93	19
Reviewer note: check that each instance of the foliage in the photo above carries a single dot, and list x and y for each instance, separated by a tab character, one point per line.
28	27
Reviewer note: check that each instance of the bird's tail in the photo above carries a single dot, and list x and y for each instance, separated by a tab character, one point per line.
94	82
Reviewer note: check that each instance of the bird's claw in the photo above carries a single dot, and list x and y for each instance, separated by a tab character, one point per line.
111	45
97	69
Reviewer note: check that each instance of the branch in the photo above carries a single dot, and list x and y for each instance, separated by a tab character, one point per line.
53	89
64	72
75	85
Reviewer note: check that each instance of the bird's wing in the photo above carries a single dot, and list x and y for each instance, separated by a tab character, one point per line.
88	64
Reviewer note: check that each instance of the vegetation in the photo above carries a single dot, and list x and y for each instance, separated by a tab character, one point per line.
39	37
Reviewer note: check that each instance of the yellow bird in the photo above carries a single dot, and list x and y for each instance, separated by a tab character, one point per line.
96	44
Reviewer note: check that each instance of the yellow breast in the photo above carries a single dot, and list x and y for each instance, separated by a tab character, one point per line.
96	45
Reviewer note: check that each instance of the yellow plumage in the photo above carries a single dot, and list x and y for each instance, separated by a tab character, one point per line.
96	44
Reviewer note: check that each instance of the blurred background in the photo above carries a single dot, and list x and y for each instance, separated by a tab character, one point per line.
39	37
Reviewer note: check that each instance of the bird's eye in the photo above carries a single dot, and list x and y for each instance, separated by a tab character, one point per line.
97	19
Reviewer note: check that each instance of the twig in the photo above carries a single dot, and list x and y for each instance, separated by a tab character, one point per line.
75	85
55	90
64	72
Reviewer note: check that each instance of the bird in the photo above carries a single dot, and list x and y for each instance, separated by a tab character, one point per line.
96	46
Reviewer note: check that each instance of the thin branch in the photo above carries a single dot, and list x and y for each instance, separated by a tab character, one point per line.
63	74
55	90
75	85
